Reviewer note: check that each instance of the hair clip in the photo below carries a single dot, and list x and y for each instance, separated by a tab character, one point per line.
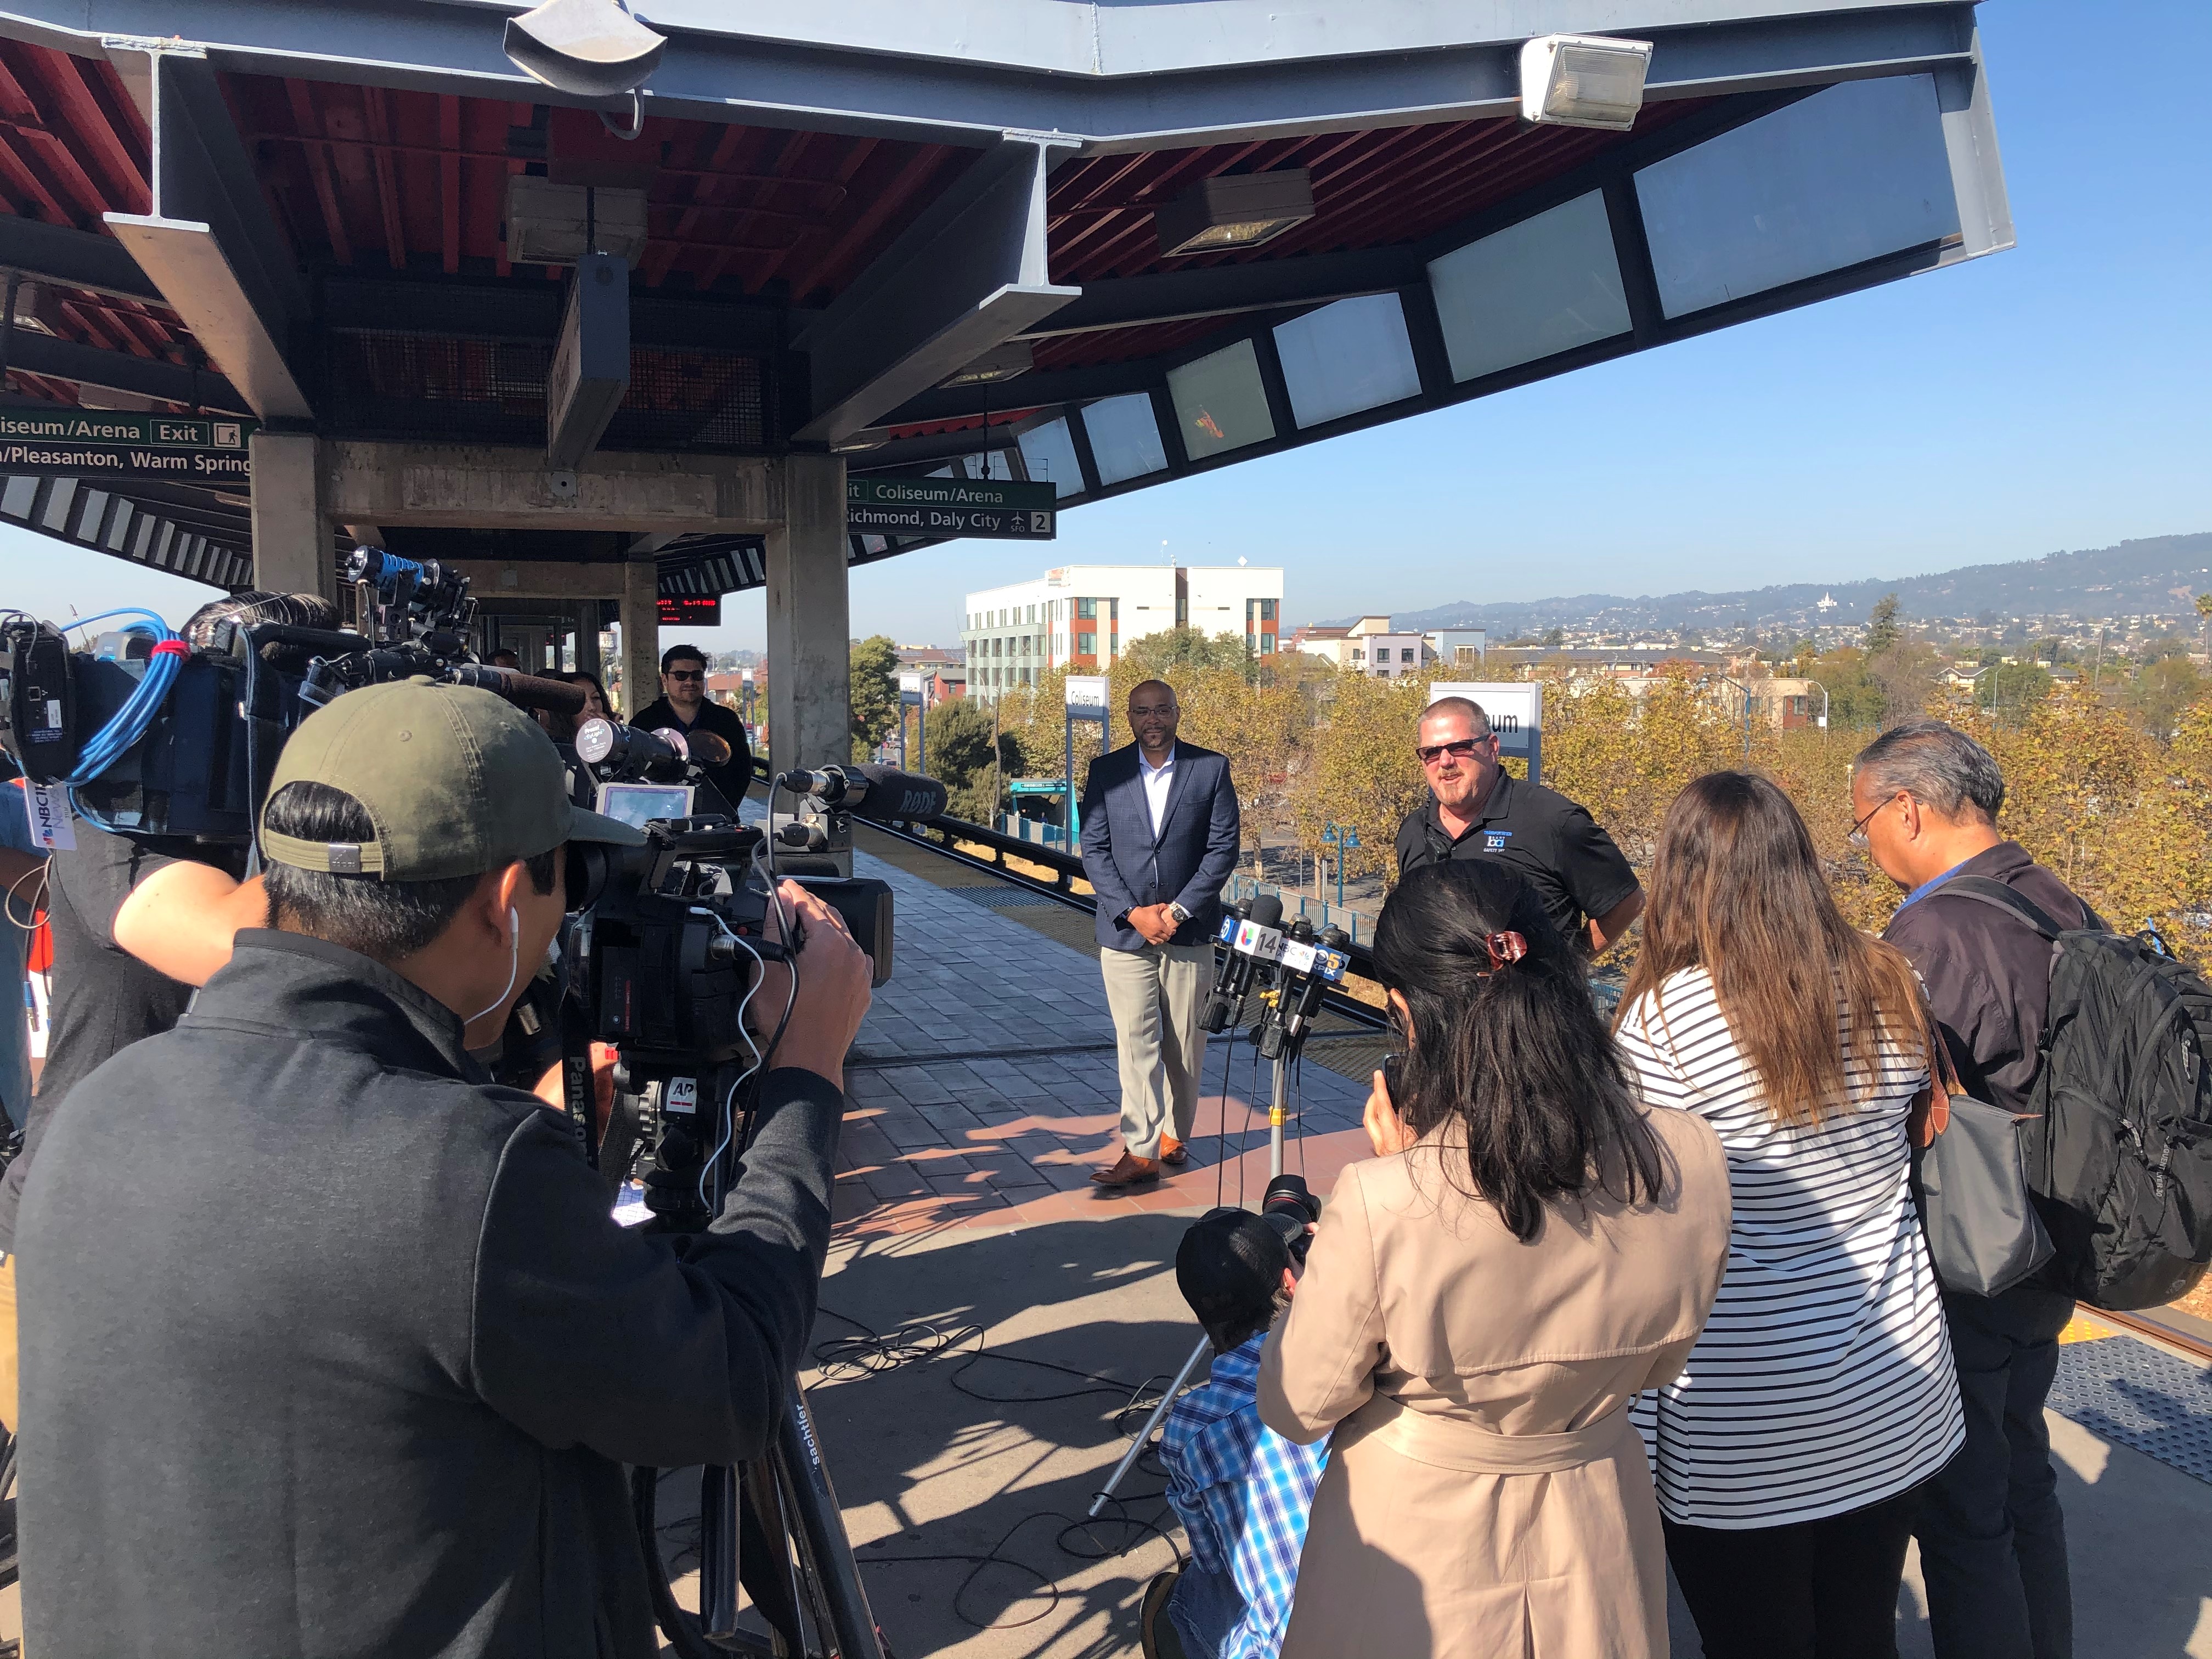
1505	949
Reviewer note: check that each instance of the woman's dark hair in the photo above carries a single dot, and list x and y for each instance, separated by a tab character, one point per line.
384	921
1738	889
1515	1056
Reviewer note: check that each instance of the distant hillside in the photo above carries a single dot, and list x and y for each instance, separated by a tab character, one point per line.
2160	576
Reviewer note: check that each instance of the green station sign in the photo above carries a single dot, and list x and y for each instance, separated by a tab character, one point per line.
99	443
994	509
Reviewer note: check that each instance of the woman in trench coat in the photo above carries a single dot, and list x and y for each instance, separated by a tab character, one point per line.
1529	1250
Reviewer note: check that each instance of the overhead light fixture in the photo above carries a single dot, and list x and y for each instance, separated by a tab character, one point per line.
860	442
1001	363
587	48
1235	210
1583	81
38	308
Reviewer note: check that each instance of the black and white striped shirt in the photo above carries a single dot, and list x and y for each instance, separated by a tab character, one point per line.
1823	1382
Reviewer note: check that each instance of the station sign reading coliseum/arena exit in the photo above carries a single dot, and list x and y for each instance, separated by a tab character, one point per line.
992	508
99	443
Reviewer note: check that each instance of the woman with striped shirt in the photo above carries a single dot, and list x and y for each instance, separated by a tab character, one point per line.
1788	1451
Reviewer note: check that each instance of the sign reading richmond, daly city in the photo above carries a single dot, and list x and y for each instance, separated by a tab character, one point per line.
99	443
995	509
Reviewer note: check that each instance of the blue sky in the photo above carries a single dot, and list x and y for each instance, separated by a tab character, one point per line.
2050	397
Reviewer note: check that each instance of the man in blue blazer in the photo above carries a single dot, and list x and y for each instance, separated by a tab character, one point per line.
1160	831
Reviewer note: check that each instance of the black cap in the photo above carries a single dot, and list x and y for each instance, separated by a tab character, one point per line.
1230	1269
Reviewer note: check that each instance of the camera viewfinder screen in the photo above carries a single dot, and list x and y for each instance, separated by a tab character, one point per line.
636	804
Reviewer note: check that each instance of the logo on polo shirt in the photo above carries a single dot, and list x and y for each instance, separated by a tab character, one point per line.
1493	841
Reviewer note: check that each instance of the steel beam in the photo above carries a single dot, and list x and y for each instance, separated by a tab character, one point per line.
969	274
1173	296
73	259
118	371
1181	74
210	246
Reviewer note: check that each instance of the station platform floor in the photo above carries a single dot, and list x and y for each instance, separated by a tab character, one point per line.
982	1335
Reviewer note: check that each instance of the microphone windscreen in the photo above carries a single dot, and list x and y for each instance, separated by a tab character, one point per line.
1266	911
893	794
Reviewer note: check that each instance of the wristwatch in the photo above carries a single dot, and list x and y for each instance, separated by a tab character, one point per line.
1179	915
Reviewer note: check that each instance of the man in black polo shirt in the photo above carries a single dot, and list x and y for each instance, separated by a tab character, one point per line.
1477	809
683	706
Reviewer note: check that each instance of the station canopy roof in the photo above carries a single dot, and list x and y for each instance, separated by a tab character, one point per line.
932	236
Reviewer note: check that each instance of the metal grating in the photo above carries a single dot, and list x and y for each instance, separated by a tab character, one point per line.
389	382
1001	898
2140	1396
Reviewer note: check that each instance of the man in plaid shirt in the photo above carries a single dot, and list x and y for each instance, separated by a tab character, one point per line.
1241	1490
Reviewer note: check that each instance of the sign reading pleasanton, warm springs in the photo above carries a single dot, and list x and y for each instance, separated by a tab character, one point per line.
99	443
993	508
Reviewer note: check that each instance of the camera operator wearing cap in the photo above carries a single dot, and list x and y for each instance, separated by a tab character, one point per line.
1241	1490
339	1349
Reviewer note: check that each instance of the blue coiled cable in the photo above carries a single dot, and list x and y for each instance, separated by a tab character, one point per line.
129	724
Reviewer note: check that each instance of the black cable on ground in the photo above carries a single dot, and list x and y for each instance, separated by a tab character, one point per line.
874	1351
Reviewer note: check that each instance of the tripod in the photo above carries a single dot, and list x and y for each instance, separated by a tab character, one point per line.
1278	1116
773	1526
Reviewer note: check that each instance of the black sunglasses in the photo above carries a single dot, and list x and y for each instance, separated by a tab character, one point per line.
1462	748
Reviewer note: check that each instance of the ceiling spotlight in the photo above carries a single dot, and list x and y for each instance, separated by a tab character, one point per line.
1235	210
588	48
1583	81
1001	363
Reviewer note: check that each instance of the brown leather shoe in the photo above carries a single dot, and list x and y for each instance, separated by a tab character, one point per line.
1130	1171
1174	1151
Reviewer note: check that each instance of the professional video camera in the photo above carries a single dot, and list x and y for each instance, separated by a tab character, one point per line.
1289	1206
154	734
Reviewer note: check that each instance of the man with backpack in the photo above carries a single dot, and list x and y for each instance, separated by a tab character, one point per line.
2100	1044
1992	1541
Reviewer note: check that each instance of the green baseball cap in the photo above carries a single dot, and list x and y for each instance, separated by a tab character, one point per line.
455	781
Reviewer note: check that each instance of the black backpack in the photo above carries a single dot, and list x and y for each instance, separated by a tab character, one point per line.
2121	1157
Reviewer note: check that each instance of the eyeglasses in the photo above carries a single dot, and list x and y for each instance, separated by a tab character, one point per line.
1858	835
1460	749
680	674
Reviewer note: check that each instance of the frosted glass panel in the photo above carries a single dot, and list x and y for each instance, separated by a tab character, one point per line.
1849	173
1124	439
1345	357
1544	286
1220	402
1048	452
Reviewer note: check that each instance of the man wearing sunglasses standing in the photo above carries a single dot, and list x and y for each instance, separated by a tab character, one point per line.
683	706
1477	809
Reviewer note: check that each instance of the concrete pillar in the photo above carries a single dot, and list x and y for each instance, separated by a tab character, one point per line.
292	546
640	635
810	693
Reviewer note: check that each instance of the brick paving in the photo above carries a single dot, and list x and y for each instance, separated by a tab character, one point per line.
984	1088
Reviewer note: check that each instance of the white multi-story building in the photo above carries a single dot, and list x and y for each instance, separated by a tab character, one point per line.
1083	616
1368	646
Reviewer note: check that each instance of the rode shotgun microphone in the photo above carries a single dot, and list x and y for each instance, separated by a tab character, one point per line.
1254	944
882	792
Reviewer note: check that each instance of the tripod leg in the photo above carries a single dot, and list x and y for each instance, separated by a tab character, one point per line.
819	1525
719	1557
1144	1436
764	1560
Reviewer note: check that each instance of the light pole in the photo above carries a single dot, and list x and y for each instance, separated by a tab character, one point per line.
1344	839
1824	705
1746	690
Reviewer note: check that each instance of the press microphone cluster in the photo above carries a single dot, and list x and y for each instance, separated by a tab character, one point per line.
1254	940
1305	970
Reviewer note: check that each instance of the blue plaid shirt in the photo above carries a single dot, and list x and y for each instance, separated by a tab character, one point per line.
1243	1493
